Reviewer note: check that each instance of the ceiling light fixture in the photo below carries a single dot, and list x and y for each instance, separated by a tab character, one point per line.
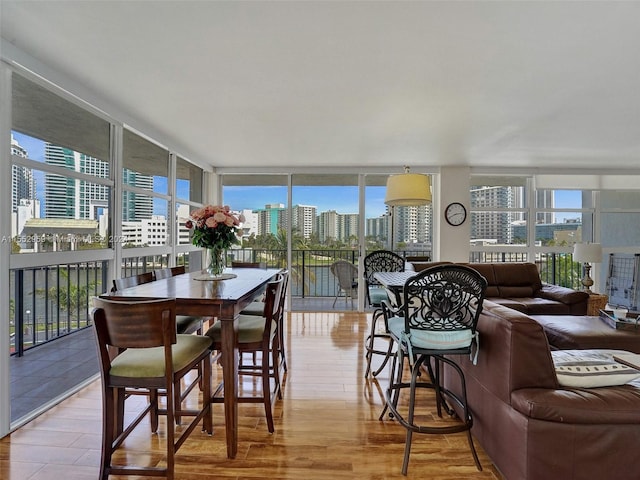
408	189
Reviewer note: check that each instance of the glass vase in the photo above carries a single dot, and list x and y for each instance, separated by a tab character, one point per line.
215	265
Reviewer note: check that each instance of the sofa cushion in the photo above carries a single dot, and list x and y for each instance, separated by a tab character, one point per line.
517	275
537	305
509	302
563	294
591	368
486	270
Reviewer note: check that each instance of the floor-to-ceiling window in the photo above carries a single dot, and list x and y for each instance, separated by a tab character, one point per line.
60	196
146	222
189	196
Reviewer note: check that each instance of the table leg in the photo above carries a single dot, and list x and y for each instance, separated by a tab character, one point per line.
229	332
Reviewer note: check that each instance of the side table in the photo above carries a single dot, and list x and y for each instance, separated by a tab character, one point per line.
597	302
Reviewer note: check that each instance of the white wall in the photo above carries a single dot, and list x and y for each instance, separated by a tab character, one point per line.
451	243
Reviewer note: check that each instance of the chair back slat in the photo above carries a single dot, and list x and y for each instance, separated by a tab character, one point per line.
132	323
248	265
168	272
444	297
132	281
272	305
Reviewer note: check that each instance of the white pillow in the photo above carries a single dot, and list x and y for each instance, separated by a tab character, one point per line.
591	368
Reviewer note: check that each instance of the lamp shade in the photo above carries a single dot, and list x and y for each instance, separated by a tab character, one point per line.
408	190
587	252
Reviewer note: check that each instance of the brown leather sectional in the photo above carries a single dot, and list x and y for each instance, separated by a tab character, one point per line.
518	286
531	427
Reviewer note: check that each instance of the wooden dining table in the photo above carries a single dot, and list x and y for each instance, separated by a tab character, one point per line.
394	282
224	300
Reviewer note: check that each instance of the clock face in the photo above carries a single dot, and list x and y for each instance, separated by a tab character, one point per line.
455	214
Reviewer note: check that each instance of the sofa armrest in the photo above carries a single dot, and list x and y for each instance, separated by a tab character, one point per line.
565	295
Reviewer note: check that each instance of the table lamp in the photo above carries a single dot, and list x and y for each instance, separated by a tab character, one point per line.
587	253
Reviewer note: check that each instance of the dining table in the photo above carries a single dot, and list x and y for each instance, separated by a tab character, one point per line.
394	282
223	299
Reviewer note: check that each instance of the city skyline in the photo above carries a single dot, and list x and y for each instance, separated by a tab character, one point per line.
342	199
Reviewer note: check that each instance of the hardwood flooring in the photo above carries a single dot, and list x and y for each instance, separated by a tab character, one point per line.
326	426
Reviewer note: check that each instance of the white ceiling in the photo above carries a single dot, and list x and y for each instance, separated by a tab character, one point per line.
338	83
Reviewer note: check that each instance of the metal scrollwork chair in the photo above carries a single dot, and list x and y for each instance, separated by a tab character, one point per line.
437	320
347	275
378	261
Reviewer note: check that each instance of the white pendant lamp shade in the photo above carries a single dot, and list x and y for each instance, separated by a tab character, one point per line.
408	190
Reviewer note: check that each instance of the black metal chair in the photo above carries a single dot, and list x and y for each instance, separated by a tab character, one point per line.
378	261
437	320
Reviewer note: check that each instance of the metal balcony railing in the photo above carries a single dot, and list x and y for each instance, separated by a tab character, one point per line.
52	301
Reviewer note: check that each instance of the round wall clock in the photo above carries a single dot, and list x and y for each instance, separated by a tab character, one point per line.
455	214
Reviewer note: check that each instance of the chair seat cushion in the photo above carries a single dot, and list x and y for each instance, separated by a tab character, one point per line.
149	362
254	308
377	295
250	329
432	339
187	323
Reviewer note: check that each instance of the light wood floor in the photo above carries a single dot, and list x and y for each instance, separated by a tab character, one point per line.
327	426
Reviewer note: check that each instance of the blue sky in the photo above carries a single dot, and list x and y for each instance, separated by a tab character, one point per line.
341	199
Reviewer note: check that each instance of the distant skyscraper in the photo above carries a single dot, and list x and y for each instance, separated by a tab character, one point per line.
412	224
347	226
378	228
545	199
303	219
495	224
271	218
136	206
328	226
69	197
22	183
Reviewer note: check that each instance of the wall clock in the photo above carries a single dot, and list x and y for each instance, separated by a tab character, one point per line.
455	214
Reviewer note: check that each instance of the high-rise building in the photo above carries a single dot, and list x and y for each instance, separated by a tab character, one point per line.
303	220
328	226
347	226
494	224
378	228
545	199
22	182
67	197
412	224
136	206
271	218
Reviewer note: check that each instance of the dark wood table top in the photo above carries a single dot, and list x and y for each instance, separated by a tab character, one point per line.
197	297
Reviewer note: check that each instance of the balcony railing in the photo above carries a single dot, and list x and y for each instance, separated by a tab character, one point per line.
52	301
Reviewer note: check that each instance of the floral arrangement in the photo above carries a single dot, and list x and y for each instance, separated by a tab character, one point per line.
214	227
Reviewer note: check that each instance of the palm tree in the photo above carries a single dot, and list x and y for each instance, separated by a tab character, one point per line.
298	274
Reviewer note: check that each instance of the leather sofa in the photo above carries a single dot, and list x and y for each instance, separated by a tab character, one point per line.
532	428
518	286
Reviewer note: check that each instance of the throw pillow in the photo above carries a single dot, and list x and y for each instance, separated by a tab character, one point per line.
591	368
